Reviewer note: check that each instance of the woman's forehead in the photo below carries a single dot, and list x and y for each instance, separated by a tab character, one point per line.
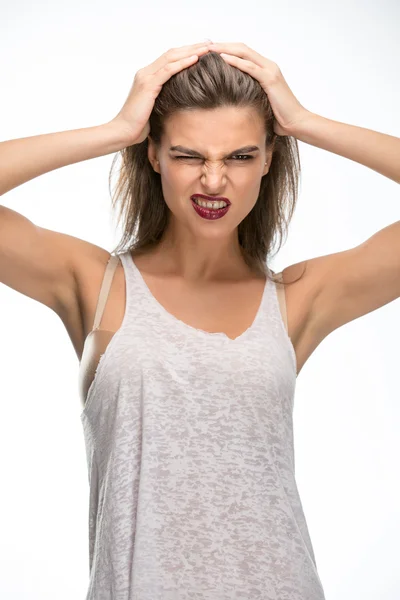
232	115
202	130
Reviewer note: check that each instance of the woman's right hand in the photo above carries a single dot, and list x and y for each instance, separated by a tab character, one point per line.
134	116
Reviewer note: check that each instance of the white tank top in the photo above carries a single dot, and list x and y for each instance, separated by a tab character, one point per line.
189	445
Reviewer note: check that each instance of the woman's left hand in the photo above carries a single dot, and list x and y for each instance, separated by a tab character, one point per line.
287	109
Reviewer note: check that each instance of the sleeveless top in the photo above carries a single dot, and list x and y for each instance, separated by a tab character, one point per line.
190	456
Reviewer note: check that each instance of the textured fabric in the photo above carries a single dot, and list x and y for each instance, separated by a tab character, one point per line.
189	444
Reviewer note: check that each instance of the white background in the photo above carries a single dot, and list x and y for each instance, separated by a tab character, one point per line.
71	65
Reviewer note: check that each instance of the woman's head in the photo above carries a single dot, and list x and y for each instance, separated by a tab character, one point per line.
213	109
222	167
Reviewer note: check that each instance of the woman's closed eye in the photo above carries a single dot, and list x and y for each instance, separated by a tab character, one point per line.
243	157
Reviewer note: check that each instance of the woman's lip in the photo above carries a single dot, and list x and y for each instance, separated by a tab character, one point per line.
211	198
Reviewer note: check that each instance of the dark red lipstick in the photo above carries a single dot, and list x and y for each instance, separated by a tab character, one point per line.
210	213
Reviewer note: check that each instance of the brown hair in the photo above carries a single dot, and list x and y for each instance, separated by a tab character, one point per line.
209	83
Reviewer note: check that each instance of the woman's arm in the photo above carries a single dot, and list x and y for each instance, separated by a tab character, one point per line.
24	159
378	151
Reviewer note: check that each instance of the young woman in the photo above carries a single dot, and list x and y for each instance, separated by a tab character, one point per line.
189	345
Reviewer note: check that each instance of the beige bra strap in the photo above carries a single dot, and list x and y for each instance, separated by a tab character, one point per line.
280	290
105	289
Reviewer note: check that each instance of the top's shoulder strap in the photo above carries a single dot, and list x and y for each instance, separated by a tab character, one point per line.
105	288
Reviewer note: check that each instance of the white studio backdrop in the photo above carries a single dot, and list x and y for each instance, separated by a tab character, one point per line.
70	65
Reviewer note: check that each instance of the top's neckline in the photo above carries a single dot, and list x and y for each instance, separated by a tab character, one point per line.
173	318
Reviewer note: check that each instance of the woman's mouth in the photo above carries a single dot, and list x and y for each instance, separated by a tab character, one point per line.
210	201
208	209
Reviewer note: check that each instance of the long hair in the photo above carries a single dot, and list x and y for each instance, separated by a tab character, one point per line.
208	84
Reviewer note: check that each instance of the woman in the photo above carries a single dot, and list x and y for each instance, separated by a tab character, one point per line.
189	345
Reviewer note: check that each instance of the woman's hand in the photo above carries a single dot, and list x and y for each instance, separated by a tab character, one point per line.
287	109
133	118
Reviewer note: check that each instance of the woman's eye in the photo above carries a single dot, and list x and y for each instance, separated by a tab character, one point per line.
243	158
186	157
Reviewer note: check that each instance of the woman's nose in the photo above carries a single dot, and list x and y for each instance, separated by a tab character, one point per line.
213	177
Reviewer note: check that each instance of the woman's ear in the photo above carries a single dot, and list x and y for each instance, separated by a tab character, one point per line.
270	152
152	153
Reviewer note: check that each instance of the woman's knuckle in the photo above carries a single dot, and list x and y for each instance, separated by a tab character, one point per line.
139	79
274	73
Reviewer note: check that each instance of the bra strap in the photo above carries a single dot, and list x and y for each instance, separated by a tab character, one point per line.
105	289
280	290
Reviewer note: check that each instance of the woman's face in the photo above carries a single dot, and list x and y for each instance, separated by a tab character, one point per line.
209	161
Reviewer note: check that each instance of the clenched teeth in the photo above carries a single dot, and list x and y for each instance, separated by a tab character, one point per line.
209	204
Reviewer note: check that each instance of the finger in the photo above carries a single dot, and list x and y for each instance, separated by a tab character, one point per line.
242	51
244	65
171	68
181	54
267	73
176	54
236	48
190	47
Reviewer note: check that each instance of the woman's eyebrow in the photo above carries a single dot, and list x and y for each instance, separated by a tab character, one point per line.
243	150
